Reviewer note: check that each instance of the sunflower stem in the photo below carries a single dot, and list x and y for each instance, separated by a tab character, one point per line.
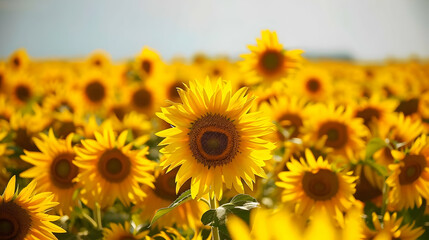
385	195
98	215
215	230
90	220
205	201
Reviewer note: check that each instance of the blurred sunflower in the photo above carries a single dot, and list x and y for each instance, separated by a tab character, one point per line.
7	109
185	216
337	128
374	111
268	60
146	98
139	125
19	60
54	169
214	139
399	131
392	227
111	170
315	186
23	215
313	83
98	60
62	101
409	180
4	76
96	89
22	89
4	160
148	64
123	232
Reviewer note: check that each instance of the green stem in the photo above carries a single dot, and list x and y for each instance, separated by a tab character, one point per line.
98	215
205	201
215	230
385	198
90	220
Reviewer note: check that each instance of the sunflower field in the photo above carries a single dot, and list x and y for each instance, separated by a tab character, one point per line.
267	145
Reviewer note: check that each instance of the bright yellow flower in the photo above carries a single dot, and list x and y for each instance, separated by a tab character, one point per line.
23	215
268	60
390	228
315	186
53	168
214	139
110	169
119	232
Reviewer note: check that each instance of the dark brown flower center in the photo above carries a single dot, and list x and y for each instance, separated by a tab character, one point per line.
413	167
173	94
114	166
271	61
292	122
23	139
127	238
165	186
336	132
95	91
147	66
320	186
214	140
63	171
119	112
65	128
408	107
313	85
15	222
368	114
142	98
23	93
16	62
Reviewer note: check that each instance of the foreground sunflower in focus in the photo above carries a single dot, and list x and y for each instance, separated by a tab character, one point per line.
214	138
22	215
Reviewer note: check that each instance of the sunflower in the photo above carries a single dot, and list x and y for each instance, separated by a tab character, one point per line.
268	61
146	98
99	60
374	111
214	139
337	128
53	168
110	169
148	63
313	83
23	215
19	60
7	109
119	232
139	125
96	90
4	76
399	131
62	101
315	185
164	193
22	89
4	161
409	180
392	228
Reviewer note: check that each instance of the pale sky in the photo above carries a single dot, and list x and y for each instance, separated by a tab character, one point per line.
364	29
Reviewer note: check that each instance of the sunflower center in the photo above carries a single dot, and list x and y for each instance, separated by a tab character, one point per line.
119	112
147	66
127	238
142	98
63	171
368	114
291	120
313	85
336	134
22	92
271	61
173	94
320	186
165	186
95	91
65	128
114	166
408	107
24	140
214	140
16	62
15	222
412	169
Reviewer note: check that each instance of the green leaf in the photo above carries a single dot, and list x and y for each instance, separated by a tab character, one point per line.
240	205
241	199
184	197
381	170
373	146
